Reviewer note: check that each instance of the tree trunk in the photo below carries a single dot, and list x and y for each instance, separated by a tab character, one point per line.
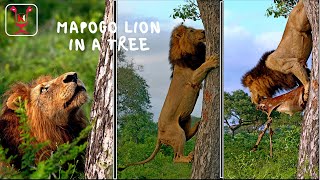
206	163
308	163
99	157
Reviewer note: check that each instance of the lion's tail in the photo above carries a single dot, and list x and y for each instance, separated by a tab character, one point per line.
154	153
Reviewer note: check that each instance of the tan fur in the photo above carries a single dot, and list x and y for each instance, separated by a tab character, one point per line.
53	110
288	103
289	58
187	56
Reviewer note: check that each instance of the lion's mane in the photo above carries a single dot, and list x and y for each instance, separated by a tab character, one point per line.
40	128
268	80
183	53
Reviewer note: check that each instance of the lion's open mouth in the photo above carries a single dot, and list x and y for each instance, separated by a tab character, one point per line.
76	92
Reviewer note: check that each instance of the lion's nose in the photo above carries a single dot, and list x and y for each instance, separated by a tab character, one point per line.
71	77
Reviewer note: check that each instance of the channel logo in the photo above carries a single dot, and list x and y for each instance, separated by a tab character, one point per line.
21	19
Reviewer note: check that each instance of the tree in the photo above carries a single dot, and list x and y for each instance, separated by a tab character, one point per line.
308	163
133	102
99	158
206	163
187	11
132	90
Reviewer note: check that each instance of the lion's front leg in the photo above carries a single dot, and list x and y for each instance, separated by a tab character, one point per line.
291	65
200	73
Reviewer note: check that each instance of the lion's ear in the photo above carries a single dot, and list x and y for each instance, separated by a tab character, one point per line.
13	102
179	31
178	35
247	80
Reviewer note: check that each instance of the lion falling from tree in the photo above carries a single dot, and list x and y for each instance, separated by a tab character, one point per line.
53	110
189	69
283	69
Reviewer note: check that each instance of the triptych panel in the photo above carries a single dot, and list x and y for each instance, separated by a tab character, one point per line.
138	89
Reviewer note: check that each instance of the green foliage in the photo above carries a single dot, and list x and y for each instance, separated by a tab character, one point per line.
54	166
5	169
47	53
189	10
28	145
136	128
241	163
4	40
281	8
26	58
133	102
89	10
59	165
162	167
132	94
238	109
50	12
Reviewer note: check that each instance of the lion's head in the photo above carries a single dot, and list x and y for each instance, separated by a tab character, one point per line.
53	110
264	82
187	48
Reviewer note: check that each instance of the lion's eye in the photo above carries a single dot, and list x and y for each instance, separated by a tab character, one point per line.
44	89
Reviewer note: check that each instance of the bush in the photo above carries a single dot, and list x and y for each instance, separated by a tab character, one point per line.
241	163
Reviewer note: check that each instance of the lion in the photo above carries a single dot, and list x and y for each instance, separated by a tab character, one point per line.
264	82
189	69
284	68
53	111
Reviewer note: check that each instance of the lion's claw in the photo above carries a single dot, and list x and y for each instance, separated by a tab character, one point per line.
213	61
305	97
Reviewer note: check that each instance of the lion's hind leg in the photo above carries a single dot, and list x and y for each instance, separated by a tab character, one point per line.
176	138
188	129
291	65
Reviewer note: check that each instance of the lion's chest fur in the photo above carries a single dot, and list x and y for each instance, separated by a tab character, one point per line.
180	90
295	44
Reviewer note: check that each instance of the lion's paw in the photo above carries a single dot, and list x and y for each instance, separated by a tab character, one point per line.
191	154
213	61
305	97
306	93
184	159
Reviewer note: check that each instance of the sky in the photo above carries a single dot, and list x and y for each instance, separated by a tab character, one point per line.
248	33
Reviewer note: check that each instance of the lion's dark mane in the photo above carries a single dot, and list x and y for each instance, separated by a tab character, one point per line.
269	80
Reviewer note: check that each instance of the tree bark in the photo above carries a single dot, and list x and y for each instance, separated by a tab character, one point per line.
308	162
206	163
99	157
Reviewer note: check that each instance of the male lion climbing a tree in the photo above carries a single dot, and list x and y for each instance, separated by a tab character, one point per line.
189	69
53	108
285	67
